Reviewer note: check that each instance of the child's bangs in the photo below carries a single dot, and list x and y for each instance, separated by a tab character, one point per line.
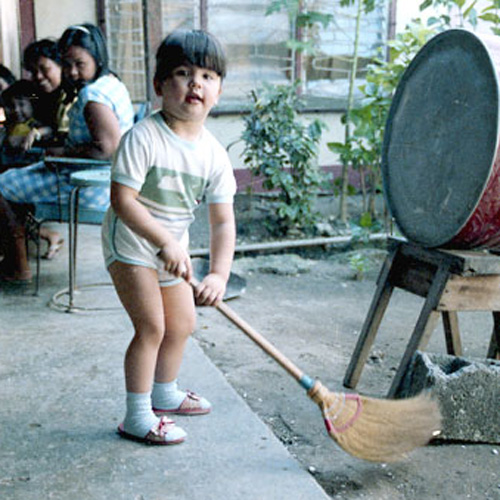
203	51
194	47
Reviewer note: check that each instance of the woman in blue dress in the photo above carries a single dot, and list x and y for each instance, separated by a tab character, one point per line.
100	115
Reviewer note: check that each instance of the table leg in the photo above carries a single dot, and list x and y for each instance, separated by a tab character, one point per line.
73	228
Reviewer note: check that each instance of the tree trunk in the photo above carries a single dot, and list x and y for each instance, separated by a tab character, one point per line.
343	215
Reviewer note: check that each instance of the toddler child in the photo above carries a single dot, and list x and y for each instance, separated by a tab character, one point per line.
22	129
165	165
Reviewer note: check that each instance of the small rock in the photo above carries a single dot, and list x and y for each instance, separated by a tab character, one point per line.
376	357
325	229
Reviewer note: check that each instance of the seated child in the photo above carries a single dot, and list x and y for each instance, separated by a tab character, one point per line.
22	130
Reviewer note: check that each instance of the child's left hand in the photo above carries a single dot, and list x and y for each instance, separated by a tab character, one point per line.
211	290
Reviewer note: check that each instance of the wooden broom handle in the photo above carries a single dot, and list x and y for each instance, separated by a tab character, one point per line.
263	343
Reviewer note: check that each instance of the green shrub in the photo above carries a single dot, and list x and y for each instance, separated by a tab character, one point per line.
282	151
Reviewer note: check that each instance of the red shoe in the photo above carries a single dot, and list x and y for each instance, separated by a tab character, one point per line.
165	432
192	405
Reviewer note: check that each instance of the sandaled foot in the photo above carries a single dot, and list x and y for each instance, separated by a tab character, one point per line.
165	432
192	405
53	249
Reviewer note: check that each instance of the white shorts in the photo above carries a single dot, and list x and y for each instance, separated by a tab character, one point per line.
120	243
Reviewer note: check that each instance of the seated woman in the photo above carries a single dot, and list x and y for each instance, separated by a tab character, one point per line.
43	61
100	115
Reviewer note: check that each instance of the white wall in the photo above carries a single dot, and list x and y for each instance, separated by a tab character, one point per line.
228	130
9	35
52	17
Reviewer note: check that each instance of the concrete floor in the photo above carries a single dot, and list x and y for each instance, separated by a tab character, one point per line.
62	396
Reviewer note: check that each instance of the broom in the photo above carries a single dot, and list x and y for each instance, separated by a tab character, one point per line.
372	429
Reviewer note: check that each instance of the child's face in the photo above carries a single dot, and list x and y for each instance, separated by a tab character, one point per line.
78	65
47	74
189	93
19	110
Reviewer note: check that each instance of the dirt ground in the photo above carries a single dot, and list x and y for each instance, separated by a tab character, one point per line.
309	305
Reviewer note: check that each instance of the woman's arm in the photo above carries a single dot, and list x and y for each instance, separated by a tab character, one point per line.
136	216
104	129
222	241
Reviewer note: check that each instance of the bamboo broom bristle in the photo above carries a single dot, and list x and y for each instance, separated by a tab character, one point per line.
371	429
378	430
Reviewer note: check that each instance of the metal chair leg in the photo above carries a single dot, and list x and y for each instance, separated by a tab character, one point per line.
33	227
38	258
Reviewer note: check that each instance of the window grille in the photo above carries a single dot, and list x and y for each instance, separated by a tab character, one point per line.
125	37
256	44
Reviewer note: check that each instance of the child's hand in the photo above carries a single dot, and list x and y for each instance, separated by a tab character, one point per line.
177	261
29	140
211	290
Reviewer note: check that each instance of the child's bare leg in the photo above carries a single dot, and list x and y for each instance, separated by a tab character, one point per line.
138	290
180	319
140	295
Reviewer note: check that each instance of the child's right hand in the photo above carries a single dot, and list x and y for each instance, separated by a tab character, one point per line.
177	260
30	139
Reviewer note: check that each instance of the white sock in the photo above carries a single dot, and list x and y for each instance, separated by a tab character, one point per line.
139	418
167	396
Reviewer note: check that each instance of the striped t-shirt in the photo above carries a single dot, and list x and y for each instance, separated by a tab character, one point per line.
173	175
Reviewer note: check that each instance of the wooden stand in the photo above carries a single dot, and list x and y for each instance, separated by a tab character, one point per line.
450	281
